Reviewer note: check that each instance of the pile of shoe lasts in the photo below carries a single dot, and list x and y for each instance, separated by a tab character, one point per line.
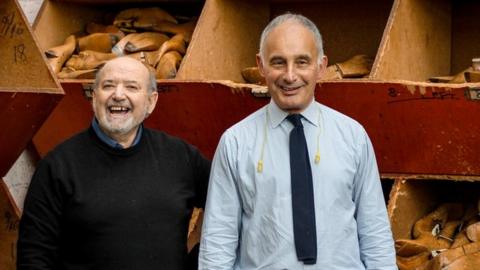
358	66
148	34
469	75
446	239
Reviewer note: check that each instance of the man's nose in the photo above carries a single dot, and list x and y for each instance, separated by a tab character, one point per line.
290	74
119	92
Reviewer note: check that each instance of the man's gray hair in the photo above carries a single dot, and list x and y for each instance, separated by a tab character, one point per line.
297	18
151	84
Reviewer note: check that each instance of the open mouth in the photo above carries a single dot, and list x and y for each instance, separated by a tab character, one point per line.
118	110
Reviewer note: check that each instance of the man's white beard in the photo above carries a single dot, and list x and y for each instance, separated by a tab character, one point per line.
119	128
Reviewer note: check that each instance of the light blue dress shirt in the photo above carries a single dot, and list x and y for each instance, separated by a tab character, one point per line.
248	215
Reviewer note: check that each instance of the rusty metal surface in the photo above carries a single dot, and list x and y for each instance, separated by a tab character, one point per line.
201	112
71	115
415	130
21	115
197	112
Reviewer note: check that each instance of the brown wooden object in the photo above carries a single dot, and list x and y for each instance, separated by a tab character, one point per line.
28	91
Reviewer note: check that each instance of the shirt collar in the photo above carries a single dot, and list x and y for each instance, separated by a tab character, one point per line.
111	142
277	115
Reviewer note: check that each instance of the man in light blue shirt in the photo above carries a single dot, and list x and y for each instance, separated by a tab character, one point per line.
248	221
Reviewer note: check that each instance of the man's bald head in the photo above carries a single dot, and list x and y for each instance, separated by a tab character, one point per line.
126	62
300	19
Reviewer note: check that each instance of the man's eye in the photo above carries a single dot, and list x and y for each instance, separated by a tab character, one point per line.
277	63
132	87
303	62
108	86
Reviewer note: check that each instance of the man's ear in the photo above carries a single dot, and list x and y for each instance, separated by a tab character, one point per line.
322	67
260	65
93	94
152	101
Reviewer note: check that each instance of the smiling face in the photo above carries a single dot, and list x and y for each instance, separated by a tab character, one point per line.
121	100
291	67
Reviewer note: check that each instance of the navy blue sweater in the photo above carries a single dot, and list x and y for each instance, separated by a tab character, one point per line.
90	206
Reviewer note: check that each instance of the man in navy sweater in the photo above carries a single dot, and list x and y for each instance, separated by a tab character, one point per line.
117	195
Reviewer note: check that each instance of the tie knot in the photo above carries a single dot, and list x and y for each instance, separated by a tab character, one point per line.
295	119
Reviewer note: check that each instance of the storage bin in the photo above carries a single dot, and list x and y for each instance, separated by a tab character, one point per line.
415	128
224	42
28	91
227	34
414	198
59	19
426	38
10	218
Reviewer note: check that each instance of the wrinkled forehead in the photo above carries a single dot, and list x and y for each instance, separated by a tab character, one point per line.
124	71
290	29
290	37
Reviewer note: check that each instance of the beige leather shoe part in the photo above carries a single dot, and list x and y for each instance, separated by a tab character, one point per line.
460	239
429	241
147	41
57	56
186	29
332	73
460	77
447	257
119	48
443	213
473	232
252	75
93	28
147	57
466	262
418	261
457	78
176	43
470	217
88	60
99	42
168	65
432	232
409	248
142	18
472	76
69	73
356	67
440	79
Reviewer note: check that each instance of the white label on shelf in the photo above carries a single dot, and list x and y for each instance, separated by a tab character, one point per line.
473	93
19	176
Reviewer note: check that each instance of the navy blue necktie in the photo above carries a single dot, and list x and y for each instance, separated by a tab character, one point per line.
303	205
